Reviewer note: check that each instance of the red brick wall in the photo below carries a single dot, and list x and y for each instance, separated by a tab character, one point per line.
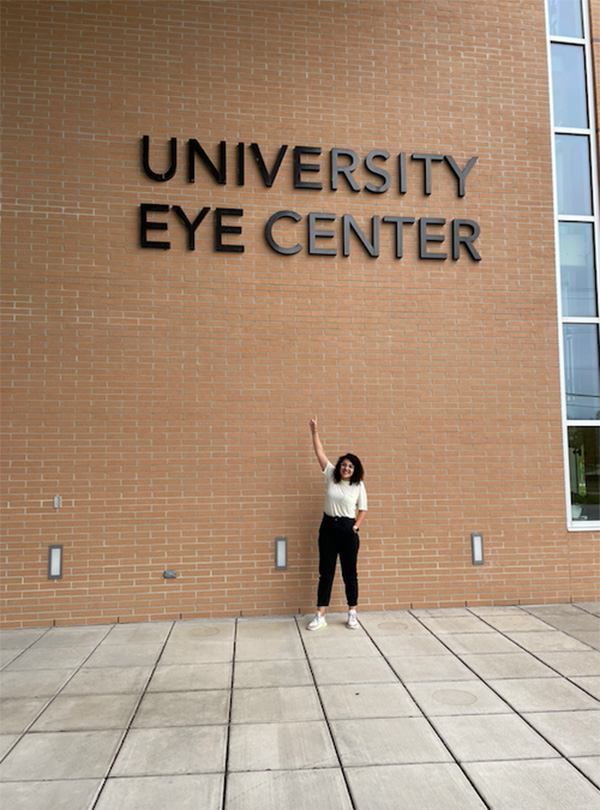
165	395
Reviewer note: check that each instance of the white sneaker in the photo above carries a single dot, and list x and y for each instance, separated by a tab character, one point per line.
352	622
317	623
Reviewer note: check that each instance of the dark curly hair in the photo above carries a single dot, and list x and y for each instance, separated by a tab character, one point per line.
357	475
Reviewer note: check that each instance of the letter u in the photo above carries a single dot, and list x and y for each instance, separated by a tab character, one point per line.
160	178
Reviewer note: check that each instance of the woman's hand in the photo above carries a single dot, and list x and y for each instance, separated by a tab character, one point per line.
359	519
318	447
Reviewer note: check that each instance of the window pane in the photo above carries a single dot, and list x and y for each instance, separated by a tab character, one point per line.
573	187
582	371
568	86
577	276
565	18
584	469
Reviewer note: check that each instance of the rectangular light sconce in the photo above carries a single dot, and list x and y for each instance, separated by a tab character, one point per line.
55	555
280	553
477	549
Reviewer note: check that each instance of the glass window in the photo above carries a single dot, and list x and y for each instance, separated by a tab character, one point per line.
575	183
568	86
565	18
582	370
584	472
577	276
574	193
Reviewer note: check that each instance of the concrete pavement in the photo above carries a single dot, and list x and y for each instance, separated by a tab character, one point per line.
420	710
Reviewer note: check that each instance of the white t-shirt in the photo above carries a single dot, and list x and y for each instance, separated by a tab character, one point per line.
343	499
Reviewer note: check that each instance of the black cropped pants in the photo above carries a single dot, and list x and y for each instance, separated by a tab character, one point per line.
337	538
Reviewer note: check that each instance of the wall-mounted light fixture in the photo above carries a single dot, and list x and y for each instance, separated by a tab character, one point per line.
55	558
57	501
280	553
477	549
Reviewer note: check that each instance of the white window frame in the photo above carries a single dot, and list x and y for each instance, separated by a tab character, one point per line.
594	219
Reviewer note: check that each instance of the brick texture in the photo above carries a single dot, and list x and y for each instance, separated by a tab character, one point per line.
165	394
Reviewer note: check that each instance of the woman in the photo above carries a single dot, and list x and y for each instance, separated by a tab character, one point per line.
345	509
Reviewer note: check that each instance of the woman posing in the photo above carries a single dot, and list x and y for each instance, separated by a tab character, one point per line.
345	509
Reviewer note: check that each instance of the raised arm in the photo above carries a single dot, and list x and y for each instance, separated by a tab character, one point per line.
318	447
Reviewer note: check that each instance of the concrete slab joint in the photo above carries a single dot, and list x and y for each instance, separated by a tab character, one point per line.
445	709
